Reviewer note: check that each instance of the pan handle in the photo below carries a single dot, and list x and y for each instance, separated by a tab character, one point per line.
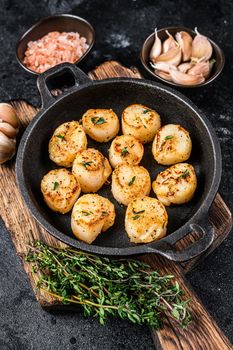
169	250
47	79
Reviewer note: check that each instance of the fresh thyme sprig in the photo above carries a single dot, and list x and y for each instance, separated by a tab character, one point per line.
107	287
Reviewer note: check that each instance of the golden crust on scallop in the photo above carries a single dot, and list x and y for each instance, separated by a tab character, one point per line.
172	144
141	122
125	149
91	215
68	139
91	169
130	181
60	189
145	220
101	124
175	185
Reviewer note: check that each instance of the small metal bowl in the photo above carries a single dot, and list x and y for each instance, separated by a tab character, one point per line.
60	23
218	55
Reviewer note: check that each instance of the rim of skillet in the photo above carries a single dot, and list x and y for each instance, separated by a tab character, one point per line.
202	211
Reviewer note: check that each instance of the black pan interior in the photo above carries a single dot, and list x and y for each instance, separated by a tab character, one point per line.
117	96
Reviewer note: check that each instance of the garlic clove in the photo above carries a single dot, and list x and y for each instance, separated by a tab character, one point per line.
173	56
7	148
8	115
185	41
8	129
184	67
156	48
169	43
163	75
201	68
185	79
201	47
163	66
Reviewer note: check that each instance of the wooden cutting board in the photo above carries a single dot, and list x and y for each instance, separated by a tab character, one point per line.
203	333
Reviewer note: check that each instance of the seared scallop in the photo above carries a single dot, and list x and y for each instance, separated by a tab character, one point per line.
172	144
175	185
145	220
91	215
130	181
67	140
91	169
60	189
125	149
141	122
101	124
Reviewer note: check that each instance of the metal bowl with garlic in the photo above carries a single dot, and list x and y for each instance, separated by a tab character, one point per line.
182	57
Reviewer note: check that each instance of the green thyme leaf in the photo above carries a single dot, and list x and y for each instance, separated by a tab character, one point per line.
86	213
98	120
105	287
135	217
176	314
55	185
62	137
86	164
124	152
138	212
132	181
104	212
169	137
146	111
185	174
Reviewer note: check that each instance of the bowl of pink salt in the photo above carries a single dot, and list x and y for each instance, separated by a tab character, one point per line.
54	40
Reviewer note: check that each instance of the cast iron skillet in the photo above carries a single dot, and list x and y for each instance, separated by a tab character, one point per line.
33	160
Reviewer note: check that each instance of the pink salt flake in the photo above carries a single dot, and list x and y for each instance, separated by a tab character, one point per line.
54	48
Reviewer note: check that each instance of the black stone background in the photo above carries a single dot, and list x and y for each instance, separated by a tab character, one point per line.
121	26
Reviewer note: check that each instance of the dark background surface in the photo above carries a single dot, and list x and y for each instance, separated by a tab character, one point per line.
121	26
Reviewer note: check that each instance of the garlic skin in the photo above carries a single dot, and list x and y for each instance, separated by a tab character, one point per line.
169	43
201	47
156	48
173	56
201	68
7	148
9	125
185	79
185	41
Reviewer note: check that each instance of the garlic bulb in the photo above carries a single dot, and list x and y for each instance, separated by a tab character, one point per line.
9	124
201	47
7	148
185	41
8	115
156	48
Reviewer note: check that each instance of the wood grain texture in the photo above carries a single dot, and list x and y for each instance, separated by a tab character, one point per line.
203	332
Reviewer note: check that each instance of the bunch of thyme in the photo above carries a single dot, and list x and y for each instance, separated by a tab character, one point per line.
108	287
